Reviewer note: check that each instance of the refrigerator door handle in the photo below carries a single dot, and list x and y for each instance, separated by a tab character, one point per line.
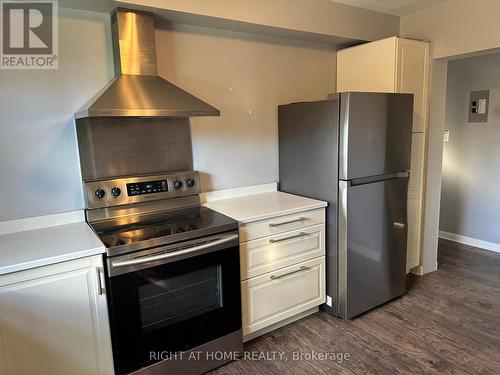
379	178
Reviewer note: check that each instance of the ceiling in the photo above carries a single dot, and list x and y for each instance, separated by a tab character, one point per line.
394	7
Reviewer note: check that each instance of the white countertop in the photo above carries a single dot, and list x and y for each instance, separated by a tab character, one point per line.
41	247
25	249
249	208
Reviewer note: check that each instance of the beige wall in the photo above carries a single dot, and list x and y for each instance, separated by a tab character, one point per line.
39	167
311	16
245	76
455	28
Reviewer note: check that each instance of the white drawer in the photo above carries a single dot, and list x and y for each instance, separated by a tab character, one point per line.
271	253
281	224
281	294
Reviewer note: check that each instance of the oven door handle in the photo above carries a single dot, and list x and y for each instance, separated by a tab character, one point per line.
133	262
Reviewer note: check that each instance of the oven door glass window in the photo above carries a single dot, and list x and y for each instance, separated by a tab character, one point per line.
173	307
166	301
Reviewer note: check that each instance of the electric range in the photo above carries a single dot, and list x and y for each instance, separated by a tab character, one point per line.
172	273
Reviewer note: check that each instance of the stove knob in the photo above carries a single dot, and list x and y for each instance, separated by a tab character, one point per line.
177	184
190	182
116	191
99	193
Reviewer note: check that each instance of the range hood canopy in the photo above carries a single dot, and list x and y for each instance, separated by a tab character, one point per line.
137	90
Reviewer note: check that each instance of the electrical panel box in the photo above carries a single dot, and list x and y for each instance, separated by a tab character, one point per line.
479	105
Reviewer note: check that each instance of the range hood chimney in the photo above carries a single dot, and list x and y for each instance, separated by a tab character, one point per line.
137	90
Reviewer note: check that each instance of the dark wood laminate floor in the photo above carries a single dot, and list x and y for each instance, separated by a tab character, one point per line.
447	323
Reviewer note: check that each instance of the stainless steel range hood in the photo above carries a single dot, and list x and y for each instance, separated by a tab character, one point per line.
137	90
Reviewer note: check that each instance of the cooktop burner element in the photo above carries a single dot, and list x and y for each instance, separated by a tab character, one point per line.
139	212
124	234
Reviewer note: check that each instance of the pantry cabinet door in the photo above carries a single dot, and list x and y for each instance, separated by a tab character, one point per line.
53	321
396	65
413	77
415	197
368	67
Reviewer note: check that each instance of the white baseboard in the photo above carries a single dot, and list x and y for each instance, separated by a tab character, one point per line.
417	270
410	266
485	245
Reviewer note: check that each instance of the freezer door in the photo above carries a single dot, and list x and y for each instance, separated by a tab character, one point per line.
375	134
308	148
372	244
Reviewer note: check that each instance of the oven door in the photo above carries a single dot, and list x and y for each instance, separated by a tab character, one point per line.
170	299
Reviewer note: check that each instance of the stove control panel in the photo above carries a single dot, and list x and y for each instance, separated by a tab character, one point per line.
148	187
115	192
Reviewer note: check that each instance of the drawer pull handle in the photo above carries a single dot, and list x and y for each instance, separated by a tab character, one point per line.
101	289
302	268
272	225
301	234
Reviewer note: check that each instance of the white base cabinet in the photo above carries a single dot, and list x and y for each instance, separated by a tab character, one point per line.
268	254
53	320
282	269
273	297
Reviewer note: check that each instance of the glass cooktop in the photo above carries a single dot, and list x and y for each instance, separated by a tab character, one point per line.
159	228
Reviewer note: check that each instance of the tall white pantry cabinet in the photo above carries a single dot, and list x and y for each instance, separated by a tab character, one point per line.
397	65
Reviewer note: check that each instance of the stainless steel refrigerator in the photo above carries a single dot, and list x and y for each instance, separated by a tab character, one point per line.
353	151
